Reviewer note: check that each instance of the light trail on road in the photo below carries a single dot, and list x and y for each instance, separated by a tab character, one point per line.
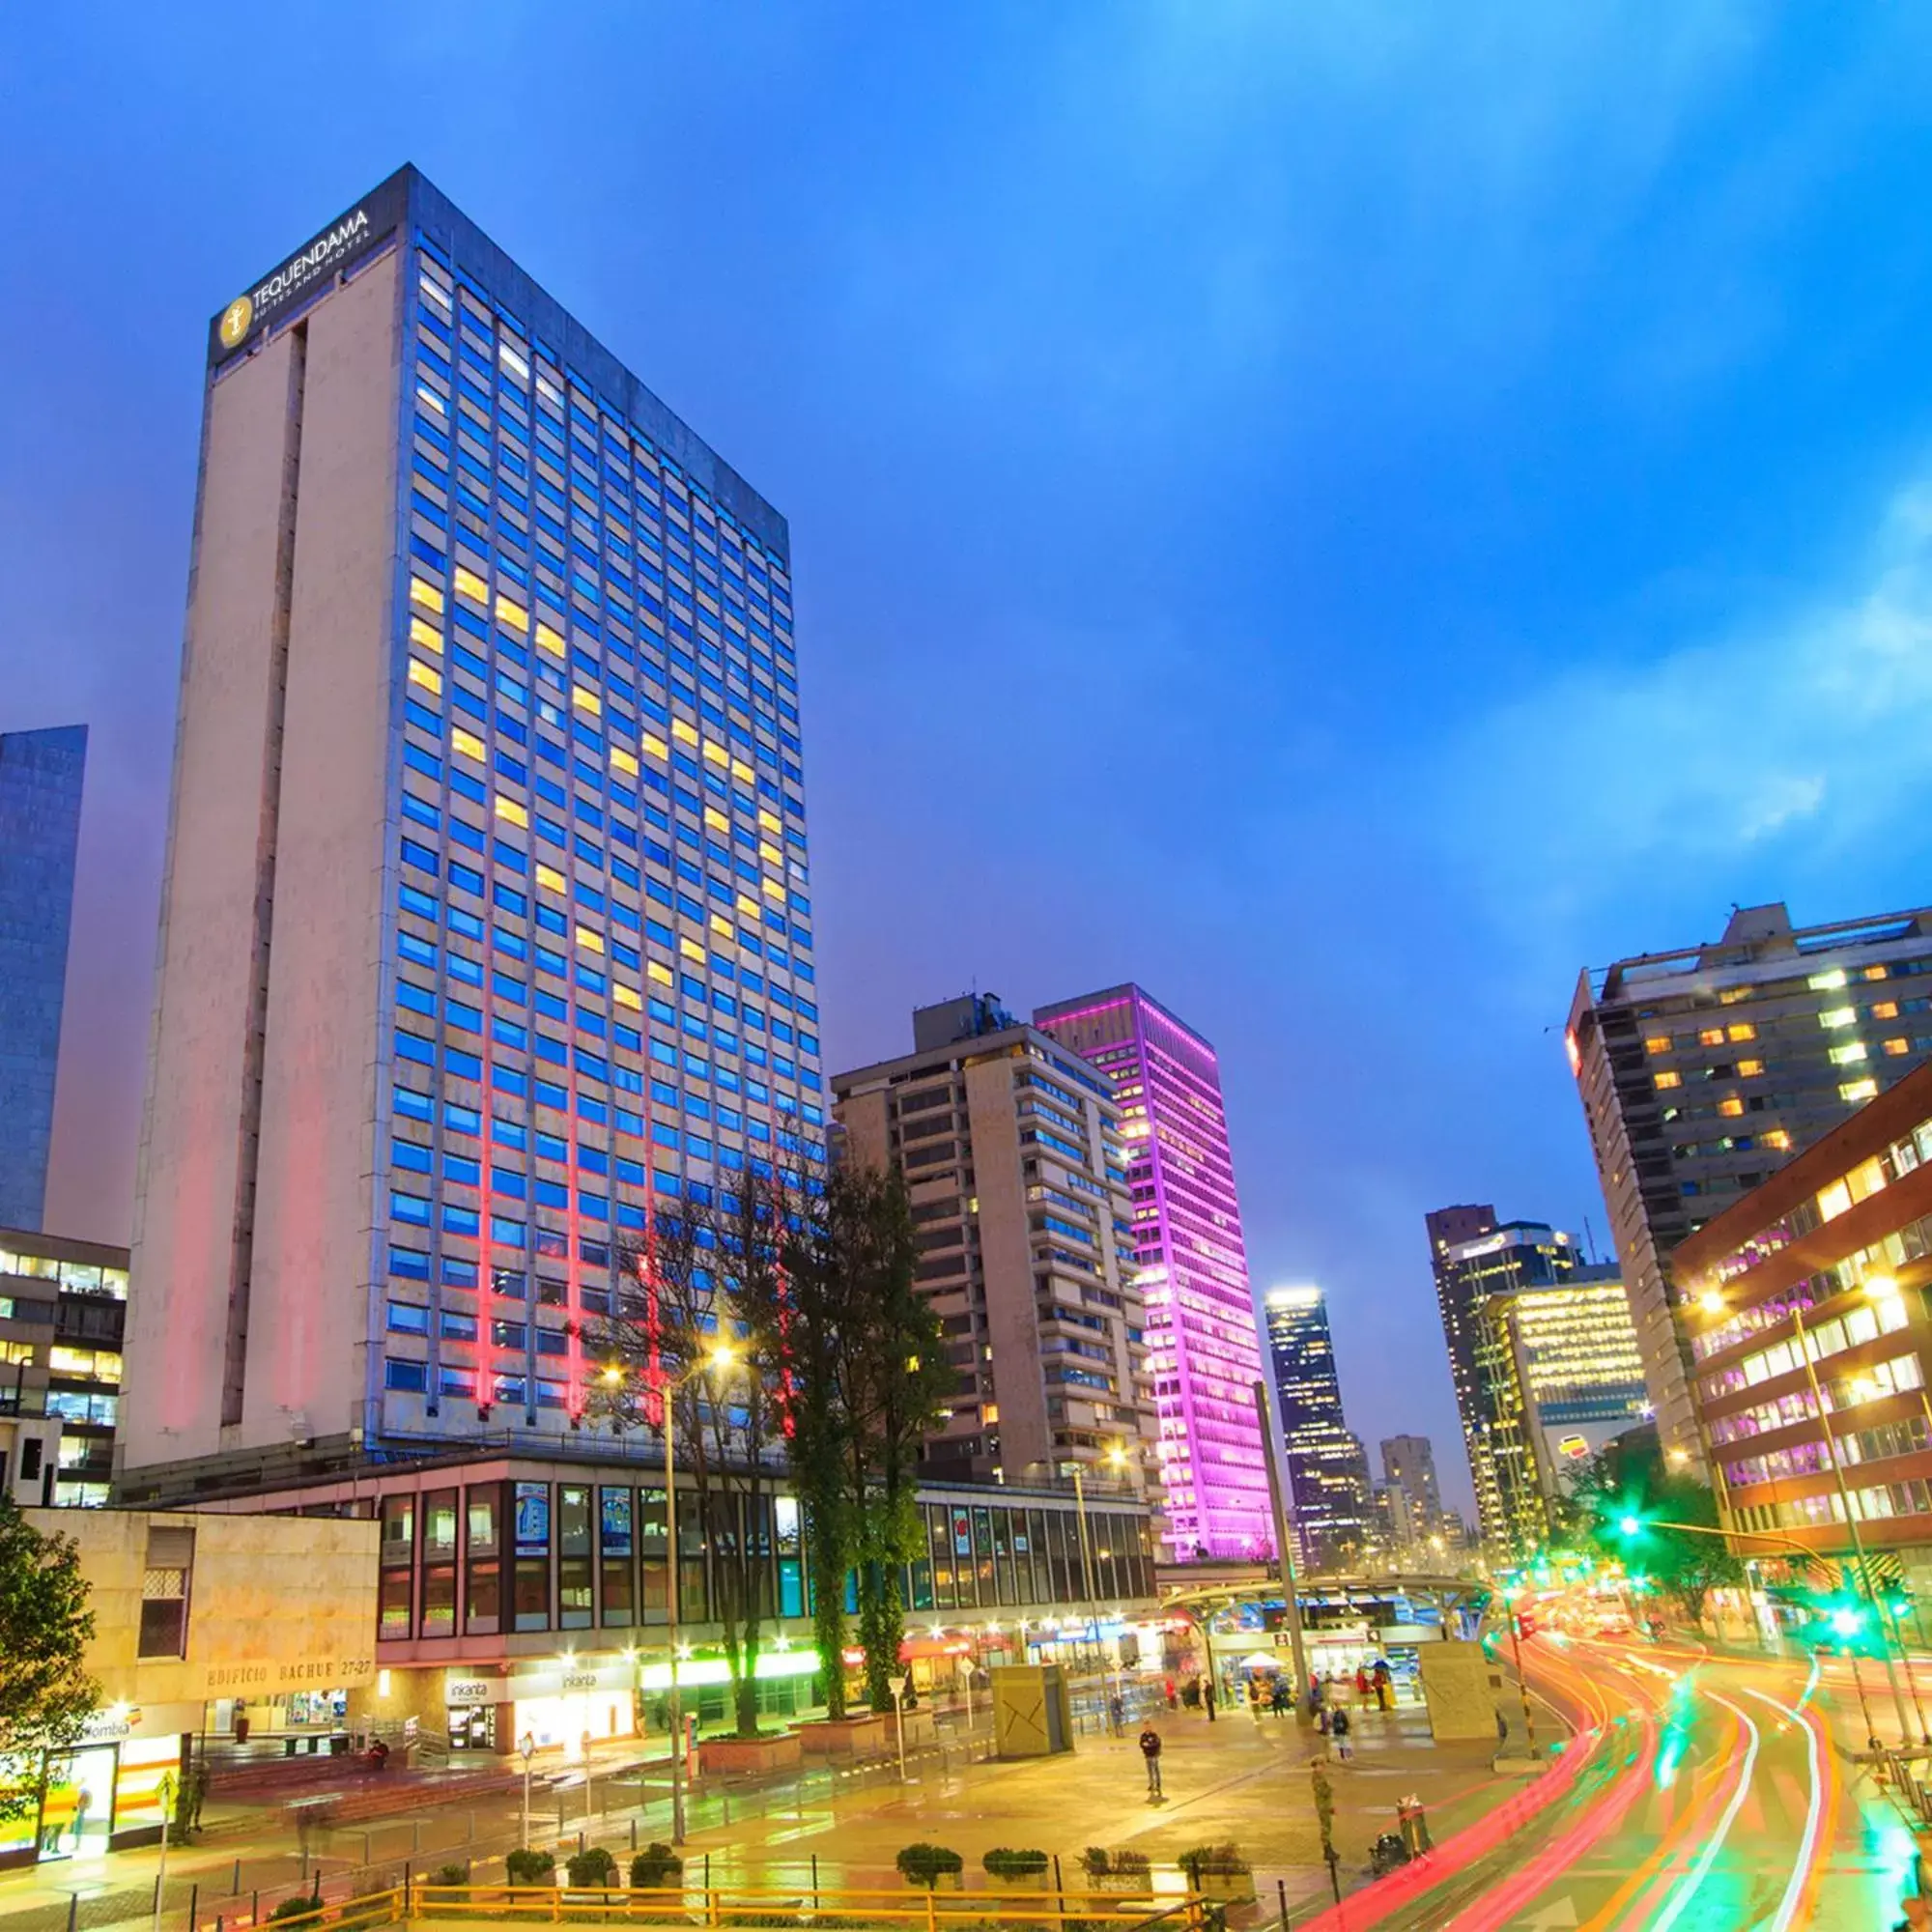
1687	1889
1804	1870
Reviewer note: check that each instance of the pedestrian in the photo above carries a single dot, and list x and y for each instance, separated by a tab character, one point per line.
1385	1683
1173	1702
1150	1752
1338	1726
83	1800
1362	1683
1278	1697
197	1792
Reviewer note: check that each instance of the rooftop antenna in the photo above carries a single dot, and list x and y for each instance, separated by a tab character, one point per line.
1589	1242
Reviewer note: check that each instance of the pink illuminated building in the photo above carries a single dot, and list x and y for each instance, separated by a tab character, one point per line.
1202	1350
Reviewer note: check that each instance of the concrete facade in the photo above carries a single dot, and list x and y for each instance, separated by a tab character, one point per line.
41	779
1011	1148
1703	1071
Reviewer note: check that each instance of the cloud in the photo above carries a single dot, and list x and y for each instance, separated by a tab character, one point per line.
1804	729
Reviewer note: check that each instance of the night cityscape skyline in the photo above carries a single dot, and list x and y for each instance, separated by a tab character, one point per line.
1646	616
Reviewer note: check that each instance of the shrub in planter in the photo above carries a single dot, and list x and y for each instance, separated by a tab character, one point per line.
655	1867
1132	1864
594	1867
529	1867
1224	1861
450	1875
296	1908
927	1865
1015	1866
1094	1861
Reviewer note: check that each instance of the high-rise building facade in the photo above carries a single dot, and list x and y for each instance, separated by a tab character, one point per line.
1203	1352
486	919
1011	1151
1508	1257
1703	1071
1561	1377
1807	1305
1326	1469
1408	1465
1449	1227
41	777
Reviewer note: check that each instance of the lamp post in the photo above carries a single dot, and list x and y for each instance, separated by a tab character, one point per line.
527	1744
1284	1542
720	1356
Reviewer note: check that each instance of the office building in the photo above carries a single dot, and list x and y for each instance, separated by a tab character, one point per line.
1503	1261
41	776
1561	1377
1450	1228
1203	1352
1703	1071
1806	1307
63	1306
1409	1468
1011	1147
1327	1472
486	918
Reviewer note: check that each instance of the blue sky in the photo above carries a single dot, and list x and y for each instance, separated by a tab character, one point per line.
1340	513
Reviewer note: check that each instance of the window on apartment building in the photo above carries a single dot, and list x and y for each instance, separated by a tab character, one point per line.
164	1592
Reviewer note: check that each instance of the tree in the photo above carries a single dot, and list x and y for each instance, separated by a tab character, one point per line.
866	1380
710	1275
45	1694
1627	1484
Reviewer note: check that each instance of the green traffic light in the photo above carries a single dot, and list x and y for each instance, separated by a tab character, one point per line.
1628	1525
1848	1621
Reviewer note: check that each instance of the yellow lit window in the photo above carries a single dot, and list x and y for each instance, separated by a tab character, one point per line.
715	819
462	741
1876	972
742	772
508	809
421	674
1668	1079
1710	1036
512	613
1741	1030
722	927
549	877
549	639
627	996
654	745
717	753
1857	1089
1730	1106
427	595
685	733
623	762
1750	1069
1656	1043
14	1353
427	635
775	890
1837	1016
1897	1046
1828	982
690	949
660	973
772	856
770	820
586	700
748	905
1884	1009
1776	1138
469	584
591	942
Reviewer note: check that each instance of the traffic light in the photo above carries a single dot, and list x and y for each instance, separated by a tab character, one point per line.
1628	1525
1847	1621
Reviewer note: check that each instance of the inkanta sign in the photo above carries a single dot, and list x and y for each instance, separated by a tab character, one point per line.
312	267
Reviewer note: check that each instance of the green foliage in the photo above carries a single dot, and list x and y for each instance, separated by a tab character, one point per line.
1002	1861
1094	1861
450	1875
530	1868
296	1908
656	1867
593	1865
1623	1502
45	1694
1222	1861
927	1865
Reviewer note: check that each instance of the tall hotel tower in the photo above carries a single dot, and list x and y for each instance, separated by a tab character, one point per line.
1192	1268
486	914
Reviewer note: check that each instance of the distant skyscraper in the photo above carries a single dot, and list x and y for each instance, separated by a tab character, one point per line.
1009	1144
1409	1462
1202	1350
1327	1468
41	774
1703	1071
486	918
1517	1255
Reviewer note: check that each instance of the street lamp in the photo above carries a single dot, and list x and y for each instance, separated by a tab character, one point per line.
720	1356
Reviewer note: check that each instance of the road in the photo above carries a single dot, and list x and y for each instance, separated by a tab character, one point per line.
1700	1794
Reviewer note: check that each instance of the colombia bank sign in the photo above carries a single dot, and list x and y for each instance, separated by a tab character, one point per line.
308	268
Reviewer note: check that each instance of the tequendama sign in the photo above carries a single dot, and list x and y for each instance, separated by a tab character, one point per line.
312	267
